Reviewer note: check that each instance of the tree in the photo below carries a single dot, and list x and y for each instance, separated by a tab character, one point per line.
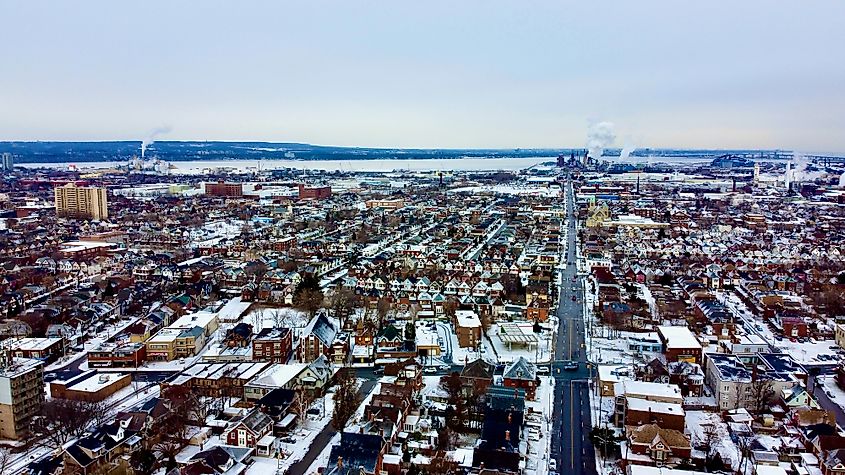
456	414
382	309
450	306
441	464
410	332
185	408
762	394
62	419
346	398
708	442
300	404
143	461
342	302
308	300
5	460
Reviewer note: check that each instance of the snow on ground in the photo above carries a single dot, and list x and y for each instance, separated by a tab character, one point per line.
511	189
109	331
261	317
807	352
541	353
833	391
697	420
322	460
606	346
302	437
538	411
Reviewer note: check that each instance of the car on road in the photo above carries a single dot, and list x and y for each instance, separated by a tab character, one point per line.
378	371
570	365
430	370
543	370
444	367
552	465
573	298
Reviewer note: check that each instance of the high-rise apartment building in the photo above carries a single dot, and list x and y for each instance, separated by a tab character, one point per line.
21	395
7	162
81	202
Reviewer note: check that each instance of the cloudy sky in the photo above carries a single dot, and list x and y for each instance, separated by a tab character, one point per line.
750	73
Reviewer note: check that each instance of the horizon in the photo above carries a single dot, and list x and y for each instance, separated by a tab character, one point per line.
753	75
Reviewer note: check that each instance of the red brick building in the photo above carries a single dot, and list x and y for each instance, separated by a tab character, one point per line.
224	189
247	431
523	375
273	345
679	344
127	355
667	415
314	192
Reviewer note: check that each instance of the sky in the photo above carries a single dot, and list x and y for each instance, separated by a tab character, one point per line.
433	74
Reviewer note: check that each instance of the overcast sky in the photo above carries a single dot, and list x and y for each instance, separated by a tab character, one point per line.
750	73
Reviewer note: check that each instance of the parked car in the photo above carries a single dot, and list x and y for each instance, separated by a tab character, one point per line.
570	365
430	370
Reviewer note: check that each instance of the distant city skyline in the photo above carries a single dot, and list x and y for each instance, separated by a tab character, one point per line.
473	74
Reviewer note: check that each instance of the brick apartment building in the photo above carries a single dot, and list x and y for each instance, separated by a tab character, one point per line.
272	345
233	190
314	192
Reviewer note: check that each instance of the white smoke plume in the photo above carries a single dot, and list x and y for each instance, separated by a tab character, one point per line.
151	137
799	172
842	180
627	150
599	136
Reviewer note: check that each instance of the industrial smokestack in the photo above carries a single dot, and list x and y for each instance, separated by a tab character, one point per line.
787	182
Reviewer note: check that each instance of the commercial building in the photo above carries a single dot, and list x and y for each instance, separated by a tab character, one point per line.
386	204
123	355
90	386
81	202
21	395
314	192
233	190
467	328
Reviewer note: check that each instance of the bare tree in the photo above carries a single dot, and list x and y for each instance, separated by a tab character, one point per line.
346	399
300	404
309	301
762	394
5	460
709	440
62	419
382	309
257	320
342	302
278	318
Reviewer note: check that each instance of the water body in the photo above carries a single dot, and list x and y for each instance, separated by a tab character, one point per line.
376	165
200	166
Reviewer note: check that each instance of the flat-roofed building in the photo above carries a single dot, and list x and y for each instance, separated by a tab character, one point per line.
81	202
21	395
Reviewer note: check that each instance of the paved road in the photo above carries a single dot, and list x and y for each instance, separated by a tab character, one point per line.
325	436
825	402
571	446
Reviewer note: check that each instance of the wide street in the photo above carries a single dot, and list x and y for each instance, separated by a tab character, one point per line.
571	446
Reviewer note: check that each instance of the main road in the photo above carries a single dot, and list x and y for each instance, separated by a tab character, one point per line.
571	446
